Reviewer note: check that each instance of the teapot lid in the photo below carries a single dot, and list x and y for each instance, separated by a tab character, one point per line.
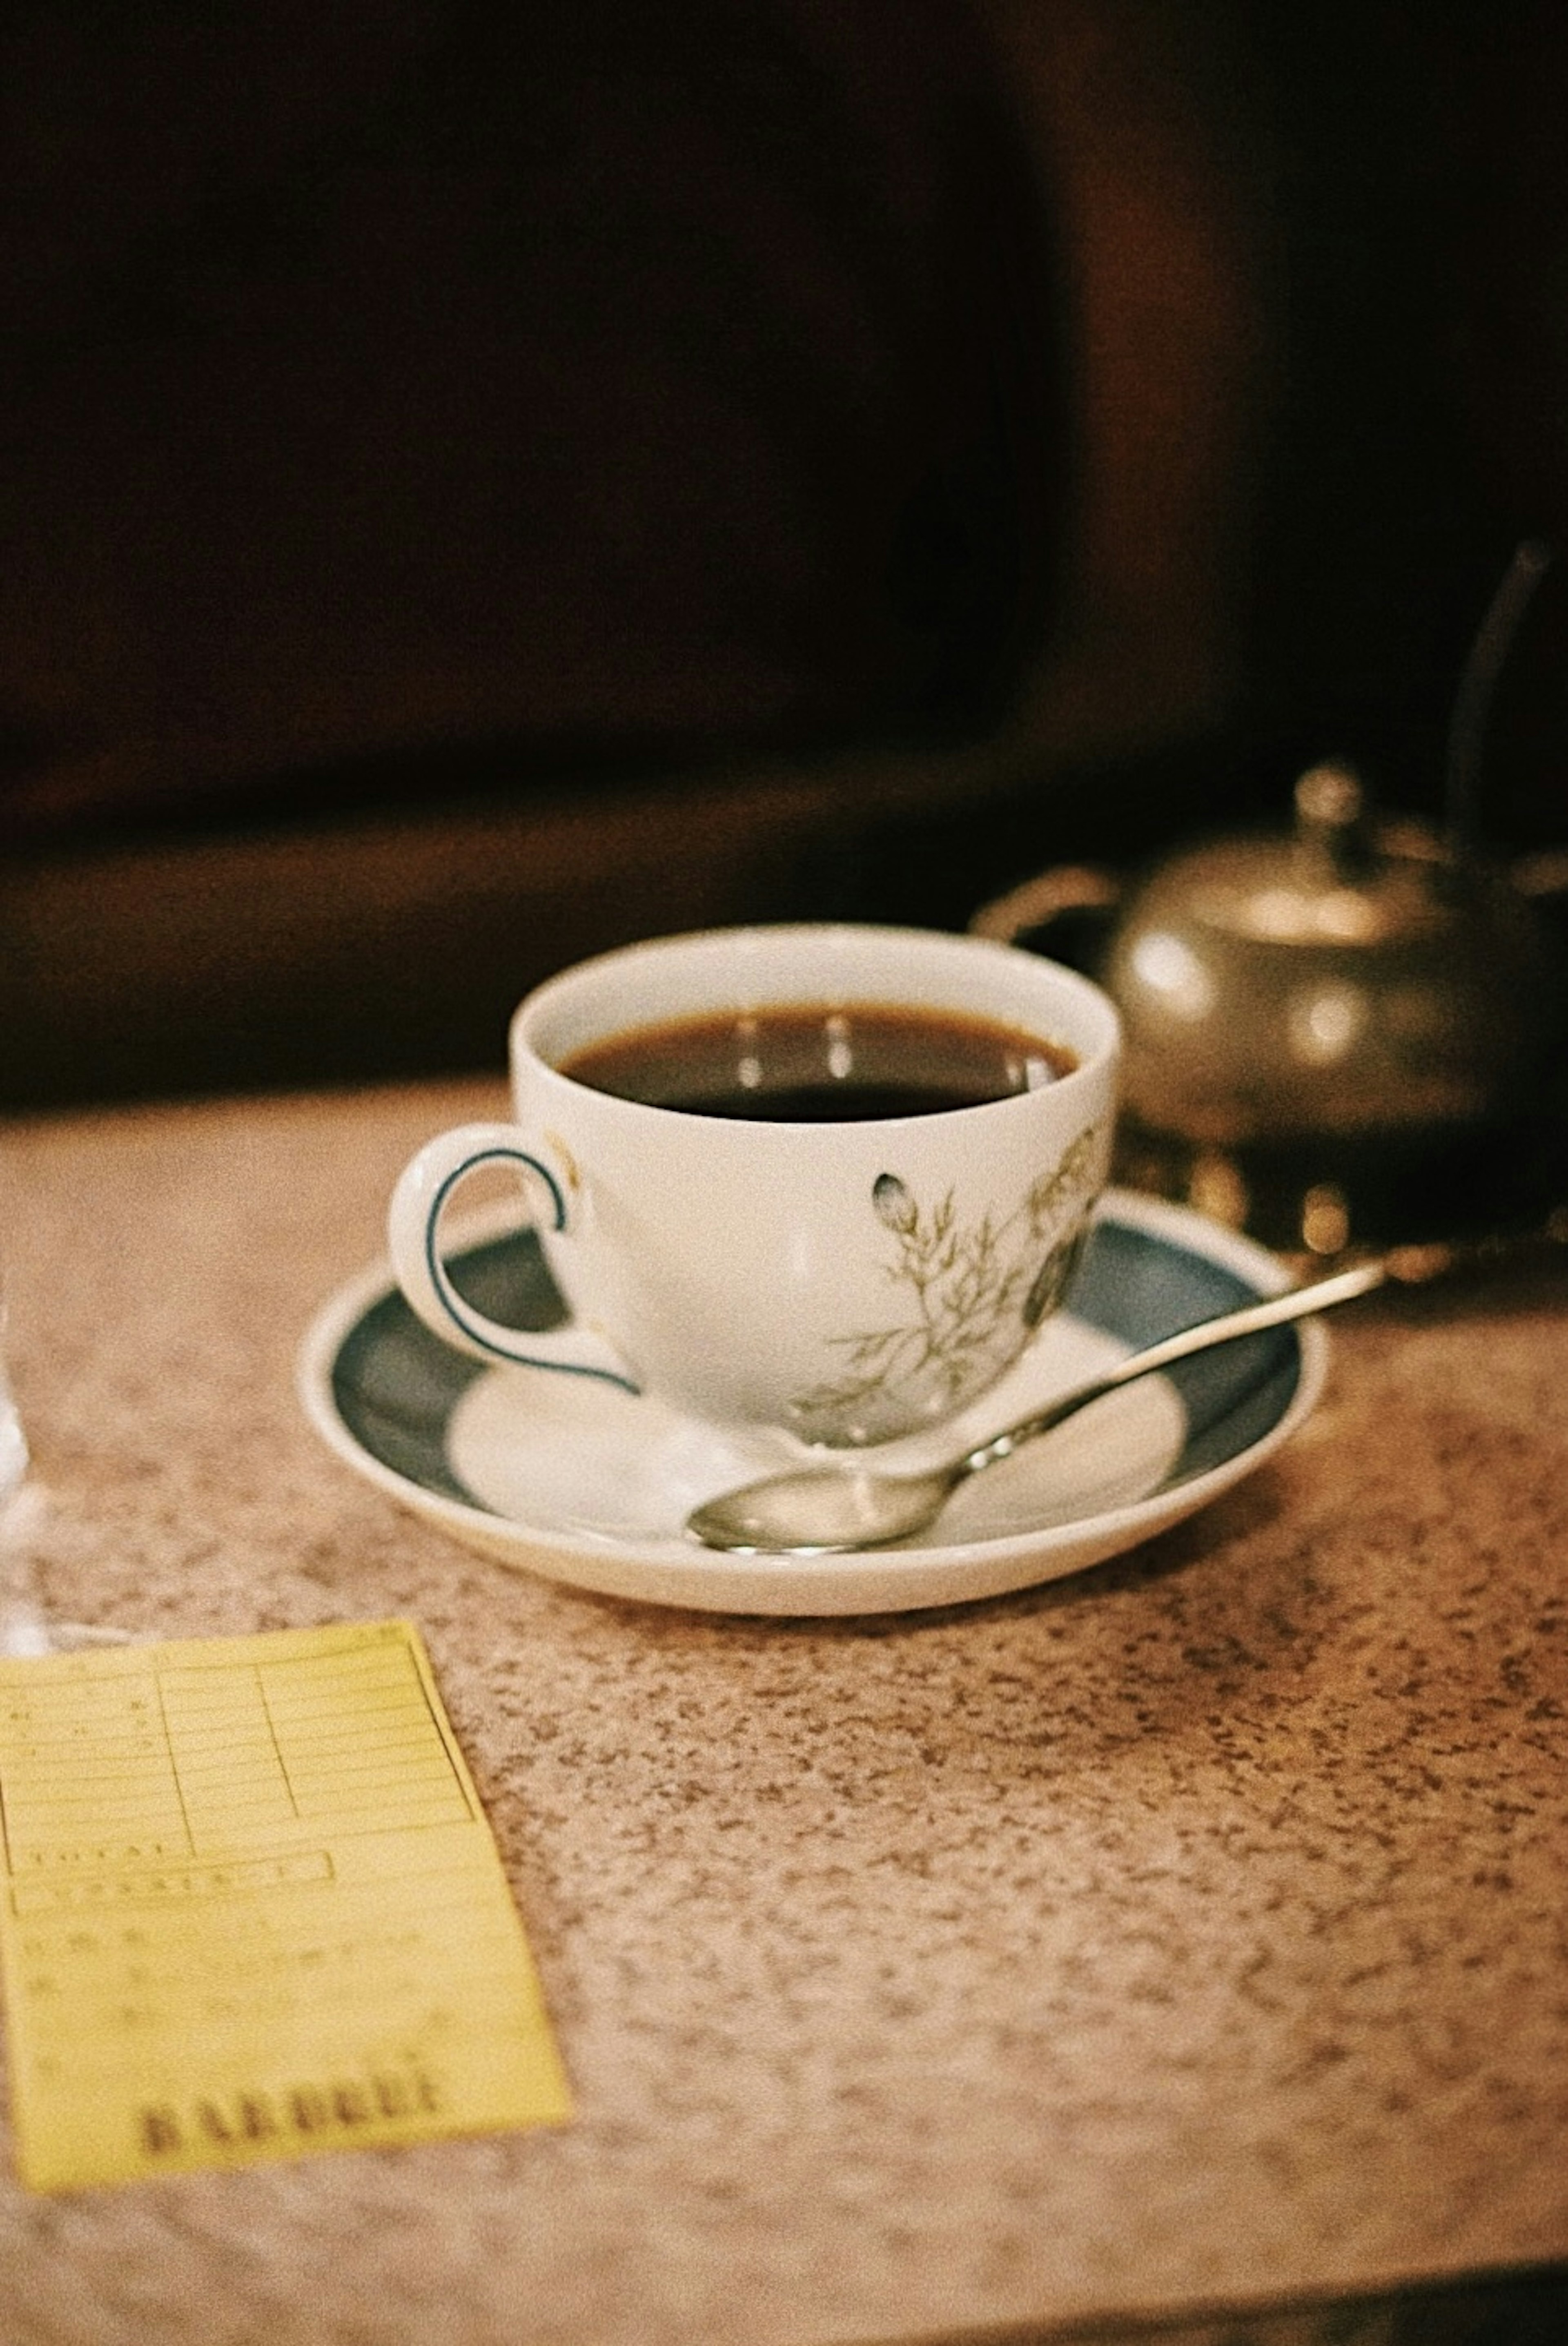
1337	880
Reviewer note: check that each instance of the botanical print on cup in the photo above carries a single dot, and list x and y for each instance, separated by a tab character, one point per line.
974	1294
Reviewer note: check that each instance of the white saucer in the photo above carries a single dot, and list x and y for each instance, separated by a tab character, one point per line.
571	1478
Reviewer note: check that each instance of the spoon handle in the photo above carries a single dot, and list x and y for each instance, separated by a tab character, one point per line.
1251	1320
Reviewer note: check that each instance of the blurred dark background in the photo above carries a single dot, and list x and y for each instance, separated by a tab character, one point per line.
484	482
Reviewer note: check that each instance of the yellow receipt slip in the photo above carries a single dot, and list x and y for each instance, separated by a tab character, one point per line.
253	1907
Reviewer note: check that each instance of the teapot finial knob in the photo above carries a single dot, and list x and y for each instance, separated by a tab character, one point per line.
1329	798
1331	831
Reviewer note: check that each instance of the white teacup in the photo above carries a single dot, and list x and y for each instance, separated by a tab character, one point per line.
845	1276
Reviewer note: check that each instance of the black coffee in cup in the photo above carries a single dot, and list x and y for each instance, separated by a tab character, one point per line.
820	1062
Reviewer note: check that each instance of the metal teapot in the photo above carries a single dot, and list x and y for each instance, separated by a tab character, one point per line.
1352	1030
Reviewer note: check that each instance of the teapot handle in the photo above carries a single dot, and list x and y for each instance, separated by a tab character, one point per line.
1037	902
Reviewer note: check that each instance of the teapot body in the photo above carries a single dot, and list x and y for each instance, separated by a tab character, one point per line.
1262	1005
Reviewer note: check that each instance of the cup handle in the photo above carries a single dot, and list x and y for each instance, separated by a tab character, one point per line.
423	1188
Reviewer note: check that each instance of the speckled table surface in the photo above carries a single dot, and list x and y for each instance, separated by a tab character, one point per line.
1190	1932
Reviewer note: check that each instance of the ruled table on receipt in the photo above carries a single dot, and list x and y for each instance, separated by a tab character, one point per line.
253	1907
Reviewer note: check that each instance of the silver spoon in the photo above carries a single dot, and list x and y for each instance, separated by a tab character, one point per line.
829	1510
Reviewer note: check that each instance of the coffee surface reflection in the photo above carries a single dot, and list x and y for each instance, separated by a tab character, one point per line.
820	1062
